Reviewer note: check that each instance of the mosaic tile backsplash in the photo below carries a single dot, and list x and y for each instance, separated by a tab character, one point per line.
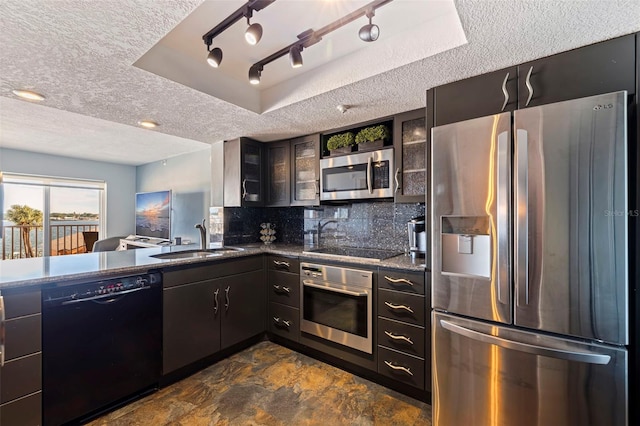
378	225
242	224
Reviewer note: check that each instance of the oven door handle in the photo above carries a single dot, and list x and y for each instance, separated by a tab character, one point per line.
309	283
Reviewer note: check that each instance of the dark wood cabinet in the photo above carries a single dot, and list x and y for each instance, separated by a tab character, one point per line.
305	171
191	329
243	307
599	68
403	331
209	308
21	374
410	145
284	297
243	173
278	167
474	97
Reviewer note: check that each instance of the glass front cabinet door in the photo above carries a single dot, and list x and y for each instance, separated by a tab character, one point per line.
410	143
305	173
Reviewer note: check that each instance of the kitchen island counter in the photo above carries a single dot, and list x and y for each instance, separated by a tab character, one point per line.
43	271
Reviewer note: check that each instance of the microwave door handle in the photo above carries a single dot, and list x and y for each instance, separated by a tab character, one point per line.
369	176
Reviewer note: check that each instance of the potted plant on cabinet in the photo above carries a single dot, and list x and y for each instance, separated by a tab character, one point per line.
341	143
373	137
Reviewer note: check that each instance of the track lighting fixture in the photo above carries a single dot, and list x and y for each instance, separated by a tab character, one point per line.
369	32
295	56
252	34
310	37
214	57
254	74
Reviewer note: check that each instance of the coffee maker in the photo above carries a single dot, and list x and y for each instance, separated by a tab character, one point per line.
417	237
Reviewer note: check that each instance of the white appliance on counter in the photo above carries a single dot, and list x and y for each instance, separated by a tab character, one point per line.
530	294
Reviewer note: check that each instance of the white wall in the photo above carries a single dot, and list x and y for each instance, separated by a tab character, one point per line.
120	179
188	177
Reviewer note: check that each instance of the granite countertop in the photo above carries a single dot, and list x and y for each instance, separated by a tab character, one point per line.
42	271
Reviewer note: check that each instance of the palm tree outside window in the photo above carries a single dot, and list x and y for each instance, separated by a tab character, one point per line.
49	216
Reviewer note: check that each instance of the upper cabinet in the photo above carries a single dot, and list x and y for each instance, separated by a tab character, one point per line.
278	173
591	70
305	171
410	144
474	97
243	173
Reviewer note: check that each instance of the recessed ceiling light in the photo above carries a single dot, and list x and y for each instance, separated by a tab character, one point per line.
148	124
28	94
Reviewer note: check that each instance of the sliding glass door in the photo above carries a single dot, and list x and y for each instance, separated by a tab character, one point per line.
46	216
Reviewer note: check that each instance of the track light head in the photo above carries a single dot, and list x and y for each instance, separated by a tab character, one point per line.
254	74
253	34
295	56
214	57
369	32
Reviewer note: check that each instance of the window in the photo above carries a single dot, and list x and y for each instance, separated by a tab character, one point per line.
50	216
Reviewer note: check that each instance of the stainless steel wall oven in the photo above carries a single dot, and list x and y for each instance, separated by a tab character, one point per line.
336	304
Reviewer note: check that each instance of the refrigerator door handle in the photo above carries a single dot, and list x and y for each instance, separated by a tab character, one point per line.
548	351
504	91
502	213
521	219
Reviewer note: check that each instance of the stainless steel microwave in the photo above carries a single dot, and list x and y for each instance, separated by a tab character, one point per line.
357	176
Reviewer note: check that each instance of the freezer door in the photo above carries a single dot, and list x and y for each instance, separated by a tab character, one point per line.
471	194
570	247
493	375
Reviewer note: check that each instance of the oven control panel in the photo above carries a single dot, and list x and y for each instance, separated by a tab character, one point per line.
336	274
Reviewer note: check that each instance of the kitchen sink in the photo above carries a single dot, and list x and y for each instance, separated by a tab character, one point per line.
197	253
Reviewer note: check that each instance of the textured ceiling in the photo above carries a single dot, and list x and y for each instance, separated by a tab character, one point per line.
80	54
410	31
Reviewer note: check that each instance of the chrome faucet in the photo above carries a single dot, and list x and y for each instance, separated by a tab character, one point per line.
322	225
203	234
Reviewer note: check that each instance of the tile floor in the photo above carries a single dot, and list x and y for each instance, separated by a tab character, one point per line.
268	384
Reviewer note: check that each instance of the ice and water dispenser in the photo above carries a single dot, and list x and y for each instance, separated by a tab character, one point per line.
466	245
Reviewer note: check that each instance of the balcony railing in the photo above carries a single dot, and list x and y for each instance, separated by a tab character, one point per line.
65	239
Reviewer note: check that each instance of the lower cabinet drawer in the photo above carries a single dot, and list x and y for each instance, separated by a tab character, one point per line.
284	321
401	306
284	288
23	336
20	377
25	411
401	367
401	336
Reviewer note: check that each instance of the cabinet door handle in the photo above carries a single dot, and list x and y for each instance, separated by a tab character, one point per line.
276	320
3	319
398	280
281	263
396	178
397	307
215	300
316	184
529	86
398	337
284	289
398	367
244	188
504	90
226	291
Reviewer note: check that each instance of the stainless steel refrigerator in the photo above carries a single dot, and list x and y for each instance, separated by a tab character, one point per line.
530	266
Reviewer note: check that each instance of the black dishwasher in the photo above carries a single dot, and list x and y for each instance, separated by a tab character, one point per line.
101	344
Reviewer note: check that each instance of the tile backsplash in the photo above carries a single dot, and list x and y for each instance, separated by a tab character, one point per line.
242	224
380	224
